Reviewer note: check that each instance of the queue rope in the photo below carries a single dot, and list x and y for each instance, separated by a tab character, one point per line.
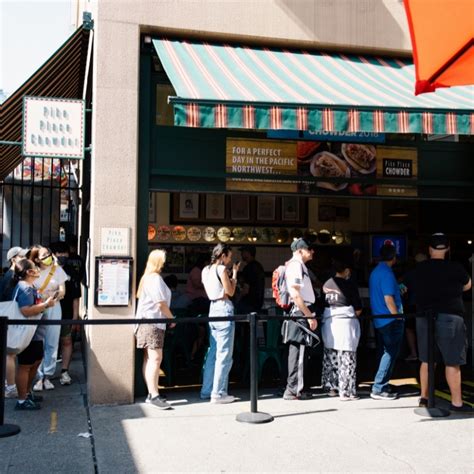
254	416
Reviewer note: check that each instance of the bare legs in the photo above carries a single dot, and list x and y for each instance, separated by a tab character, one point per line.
66	351
151	369
24	378
11	369
453	377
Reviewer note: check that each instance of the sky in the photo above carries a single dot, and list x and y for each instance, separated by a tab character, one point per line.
31	31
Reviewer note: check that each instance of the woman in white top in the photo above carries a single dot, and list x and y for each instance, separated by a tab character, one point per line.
50	284
341	333
219	288
154	299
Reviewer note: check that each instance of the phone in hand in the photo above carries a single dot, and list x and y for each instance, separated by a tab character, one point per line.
56	295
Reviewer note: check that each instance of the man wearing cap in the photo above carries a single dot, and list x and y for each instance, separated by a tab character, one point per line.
440	285
7	285
254	277
385	299
302	296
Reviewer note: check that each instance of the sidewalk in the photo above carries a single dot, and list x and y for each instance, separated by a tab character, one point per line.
318	435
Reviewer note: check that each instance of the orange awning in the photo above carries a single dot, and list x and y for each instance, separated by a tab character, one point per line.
442	36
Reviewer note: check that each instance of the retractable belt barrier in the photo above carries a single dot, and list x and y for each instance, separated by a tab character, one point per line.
254	416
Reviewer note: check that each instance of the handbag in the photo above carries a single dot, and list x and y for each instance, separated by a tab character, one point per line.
19	336
296	331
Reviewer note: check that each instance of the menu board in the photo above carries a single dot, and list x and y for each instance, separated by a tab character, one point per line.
113	281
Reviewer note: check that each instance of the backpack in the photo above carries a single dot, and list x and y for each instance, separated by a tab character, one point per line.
280	288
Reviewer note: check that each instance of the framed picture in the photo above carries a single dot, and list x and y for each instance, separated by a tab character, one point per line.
215	206
151	208
266	208
239	208
188	206
290	208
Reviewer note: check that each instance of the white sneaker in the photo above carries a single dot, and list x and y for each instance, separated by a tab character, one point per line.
38	386
65	379
11	391
223	399
47	384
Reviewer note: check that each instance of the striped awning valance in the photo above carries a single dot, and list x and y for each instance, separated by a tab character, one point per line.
228	86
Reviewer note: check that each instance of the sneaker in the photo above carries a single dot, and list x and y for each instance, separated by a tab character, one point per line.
34	398
27	405
158	403
423	402
332	392
65	378
348	398
161	397
11	391
48	385
204	396
462	410
223	399
289	396
384	396
38	386
305	396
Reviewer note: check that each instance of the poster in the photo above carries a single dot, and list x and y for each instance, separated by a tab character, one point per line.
189	205
113	282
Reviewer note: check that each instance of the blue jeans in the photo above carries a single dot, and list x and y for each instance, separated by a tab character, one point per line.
390	338
219	355
47	367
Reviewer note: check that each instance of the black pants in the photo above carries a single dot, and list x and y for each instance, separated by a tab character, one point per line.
297	362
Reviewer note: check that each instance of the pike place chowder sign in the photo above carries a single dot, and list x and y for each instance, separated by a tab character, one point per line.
53	127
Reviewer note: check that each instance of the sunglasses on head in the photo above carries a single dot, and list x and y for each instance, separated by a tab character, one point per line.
45	257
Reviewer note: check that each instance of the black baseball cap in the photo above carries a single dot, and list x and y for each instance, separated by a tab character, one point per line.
439	241
299	244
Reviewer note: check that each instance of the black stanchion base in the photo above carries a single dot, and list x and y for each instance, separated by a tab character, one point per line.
257	417
432	412
9	430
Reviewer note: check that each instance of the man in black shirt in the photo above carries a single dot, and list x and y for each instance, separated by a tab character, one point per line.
253	276
440	284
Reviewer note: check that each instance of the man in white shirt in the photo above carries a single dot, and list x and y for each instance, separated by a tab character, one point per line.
302	297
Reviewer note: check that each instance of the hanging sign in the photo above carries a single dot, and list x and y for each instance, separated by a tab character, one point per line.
53	127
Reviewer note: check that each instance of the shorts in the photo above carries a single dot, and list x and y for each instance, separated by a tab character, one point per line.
33	353
150	337
66	330
450	337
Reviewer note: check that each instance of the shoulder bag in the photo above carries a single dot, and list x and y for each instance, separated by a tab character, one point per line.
18	336
298	331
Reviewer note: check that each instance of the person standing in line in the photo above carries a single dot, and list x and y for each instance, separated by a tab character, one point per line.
254	278
341	334
51	283
440	286
154	299
7	285
302	296
219	288
30	304
385	298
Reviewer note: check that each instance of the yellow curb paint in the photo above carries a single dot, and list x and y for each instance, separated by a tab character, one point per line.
53	427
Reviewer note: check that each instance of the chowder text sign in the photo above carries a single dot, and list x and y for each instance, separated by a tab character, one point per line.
53	128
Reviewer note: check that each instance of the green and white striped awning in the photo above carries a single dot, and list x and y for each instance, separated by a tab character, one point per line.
228	86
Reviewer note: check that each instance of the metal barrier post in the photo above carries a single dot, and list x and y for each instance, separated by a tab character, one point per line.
5	430
254	416
431	411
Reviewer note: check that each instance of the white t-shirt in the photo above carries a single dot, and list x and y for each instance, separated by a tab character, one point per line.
297	275
59	278
212	285
154	291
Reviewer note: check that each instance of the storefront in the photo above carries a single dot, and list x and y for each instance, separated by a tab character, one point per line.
263	144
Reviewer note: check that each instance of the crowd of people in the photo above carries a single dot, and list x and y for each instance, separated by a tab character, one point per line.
44	282
437	284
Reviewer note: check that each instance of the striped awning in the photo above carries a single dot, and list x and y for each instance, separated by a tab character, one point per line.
229	86
62	75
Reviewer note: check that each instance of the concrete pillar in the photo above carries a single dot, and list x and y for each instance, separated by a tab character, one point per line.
114	166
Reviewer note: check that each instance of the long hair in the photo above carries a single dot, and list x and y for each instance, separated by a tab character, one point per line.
21	267
218	251
154	264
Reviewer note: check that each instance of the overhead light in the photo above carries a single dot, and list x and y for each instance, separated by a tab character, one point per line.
398	213
469	242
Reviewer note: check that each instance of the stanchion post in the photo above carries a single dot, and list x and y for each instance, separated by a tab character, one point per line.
431	411
254	416
5	430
